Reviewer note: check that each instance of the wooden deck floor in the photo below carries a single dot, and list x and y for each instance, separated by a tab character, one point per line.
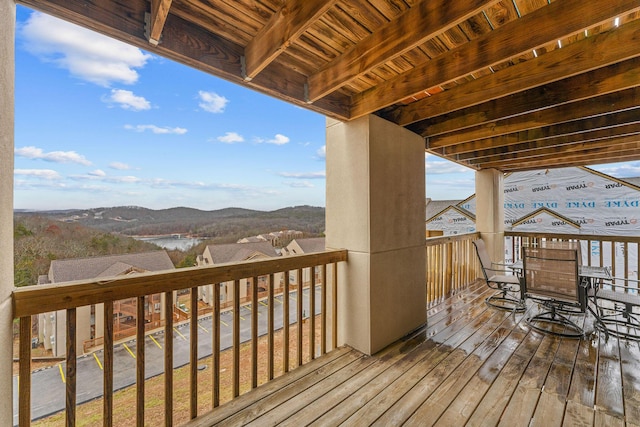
473	365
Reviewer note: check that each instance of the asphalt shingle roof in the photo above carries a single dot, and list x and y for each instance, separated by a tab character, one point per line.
234	252
65	270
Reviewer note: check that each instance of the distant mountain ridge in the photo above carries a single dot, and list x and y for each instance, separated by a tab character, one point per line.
224	223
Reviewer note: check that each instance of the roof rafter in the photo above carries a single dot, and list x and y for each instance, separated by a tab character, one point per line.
560	146
524	149
425	20
558	130
614	78
593	107
580	57
284	27
157	19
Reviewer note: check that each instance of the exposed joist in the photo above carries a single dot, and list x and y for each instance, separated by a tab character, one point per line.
593	107
571	128
284	28
595	138
157	19
613	46
417	25
626	152
556	148
602	81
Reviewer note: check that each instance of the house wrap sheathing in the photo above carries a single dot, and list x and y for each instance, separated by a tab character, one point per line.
565	201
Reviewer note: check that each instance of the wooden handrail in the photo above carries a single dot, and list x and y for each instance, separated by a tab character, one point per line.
451	264
32	300
72	295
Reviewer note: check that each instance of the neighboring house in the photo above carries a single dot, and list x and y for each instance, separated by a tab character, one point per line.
277	238
575	200
451	220
89	324
304	246
235	252
599	203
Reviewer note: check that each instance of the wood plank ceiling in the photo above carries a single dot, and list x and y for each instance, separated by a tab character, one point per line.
511	84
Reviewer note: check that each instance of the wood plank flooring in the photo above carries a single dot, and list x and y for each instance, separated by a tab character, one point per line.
472	365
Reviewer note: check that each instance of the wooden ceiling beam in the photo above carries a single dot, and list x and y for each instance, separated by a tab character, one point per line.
595	157
552	22
559	147
600	136
614	78
157	19
598	51
284	28
422	22
593	107
576	127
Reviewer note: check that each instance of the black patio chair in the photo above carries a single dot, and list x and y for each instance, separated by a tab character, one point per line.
508	295
614	307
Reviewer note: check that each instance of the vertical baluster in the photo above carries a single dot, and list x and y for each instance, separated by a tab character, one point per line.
323	308
107	350
193	354
312	314
168	359
24	386
626	263
285	324
140	365
299	315
215	344
236	338
334	307
270	328
70	416
254	333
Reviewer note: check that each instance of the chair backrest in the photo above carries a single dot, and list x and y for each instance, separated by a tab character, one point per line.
556	244
552	273
483	255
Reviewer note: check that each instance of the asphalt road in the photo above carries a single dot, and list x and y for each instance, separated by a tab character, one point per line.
48	385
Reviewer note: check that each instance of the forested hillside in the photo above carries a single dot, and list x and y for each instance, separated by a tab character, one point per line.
229	223
40	237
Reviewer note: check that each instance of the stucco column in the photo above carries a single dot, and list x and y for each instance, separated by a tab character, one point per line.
7	67
375	209
490	211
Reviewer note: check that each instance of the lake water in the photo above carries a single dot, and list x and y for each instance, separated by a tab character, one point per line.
182	243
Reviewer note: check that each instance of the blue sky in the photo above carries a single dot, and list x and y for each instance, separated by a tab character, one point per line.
100	123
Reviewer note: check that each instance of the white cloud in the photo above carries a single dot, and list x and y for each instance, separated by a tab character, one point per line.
300	184
620	170
119	166
98	173
322	152
52	156
231	138
304	175
85	54
279	139
437	167
156	129
212	102
38	173
127	100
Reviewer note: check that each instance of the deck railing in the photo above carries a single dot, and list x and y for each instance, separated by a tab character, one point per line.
620	253
32	301
452	264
